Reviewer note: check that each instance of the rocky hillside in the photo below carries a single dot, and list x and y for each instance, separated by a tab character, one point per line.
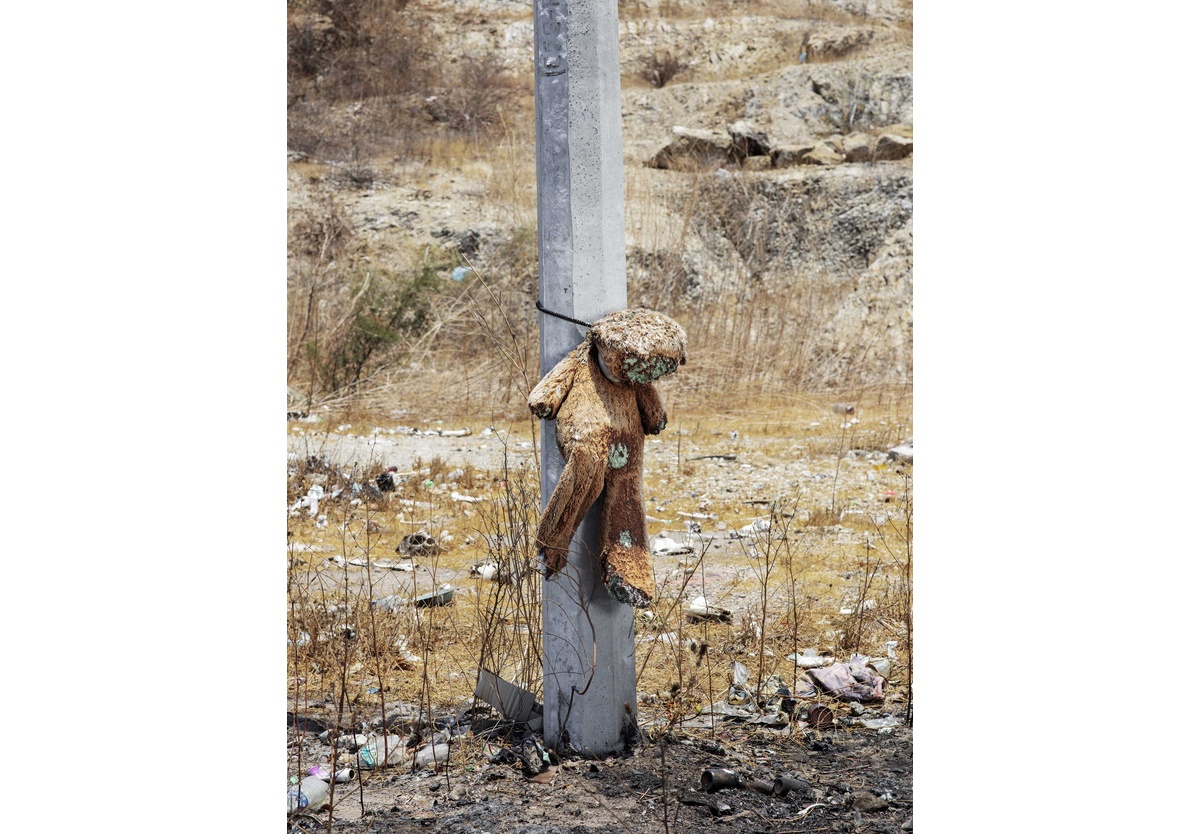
768	176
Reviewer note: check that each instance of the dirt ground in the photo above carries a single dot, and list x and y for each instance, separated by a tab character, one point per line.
860	781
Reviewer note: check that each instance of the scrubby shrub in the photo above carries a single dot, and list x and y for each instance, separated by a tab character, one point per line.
385	307
658	69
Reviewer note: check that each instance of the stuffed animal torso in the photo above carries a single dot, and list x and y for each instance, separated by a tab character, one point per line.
604	405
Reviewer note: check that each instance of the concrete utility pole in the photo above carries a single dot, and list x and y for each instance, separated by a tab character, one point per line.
589	679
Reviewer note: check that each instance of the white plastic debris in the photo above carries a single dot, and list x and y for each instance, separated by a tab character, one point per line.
754	528
486	570
865	605
391	604
663	545
880	724
700	608
668	637
466	499
433	754
371	754
402	649
315	493
809	659
310	794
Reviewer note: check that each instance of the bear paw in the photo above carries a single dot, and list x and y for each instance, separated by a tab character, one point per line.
621	591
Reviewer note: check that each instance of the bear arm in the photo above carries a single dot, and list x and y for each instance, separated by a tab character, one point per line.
547	396
651	408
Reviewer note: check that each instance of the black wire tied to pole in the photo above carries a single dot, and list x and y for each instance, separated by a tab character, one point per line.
538	303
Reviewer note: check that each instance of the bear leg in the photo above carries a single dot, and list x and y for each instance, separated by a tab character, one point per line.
625	557
578	488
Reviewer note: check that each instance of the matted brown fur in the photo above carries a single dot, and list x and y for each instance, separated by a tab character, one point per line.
602	398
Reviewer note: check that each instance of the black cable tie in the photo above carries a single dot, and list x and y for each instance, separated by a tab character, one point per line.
538	303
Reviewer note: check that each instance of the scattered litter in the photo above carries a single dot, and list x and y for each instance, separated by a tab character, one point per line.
389	480
719	778
401	646
718	809
422	432
851	681
442	596
809	659
786	784
346	774
392	603
431	755
537	763
820	717
865	605
381	751
418	544
881	665
887	722
466	499
485	570
753	529
699	609
902	453
414	505
315	493
715	457
310	794
663	545
701	516
668	637
513	702
390	564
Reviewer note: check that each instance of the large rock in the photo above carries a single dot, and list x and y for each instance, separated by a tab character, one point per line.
893	146
690	149
823	154
857	147
748	140
785	156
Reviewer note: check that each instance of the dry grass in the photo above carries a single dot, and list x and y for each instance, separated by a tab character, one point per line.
787	591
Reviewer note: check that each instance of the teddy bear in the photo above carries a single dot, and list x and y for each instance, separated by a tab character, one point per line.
601	397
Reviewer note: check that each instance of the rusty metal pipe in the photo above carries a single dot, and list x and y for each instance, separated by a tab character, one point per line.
719	778
785	784
760	786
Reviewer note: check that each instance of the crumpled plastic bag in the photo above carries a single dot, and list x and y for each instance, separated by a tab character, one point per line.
851	681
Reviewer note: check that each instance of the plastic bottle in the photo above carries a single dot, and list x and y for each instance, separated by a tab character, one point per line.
427	755
371	754
311	794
